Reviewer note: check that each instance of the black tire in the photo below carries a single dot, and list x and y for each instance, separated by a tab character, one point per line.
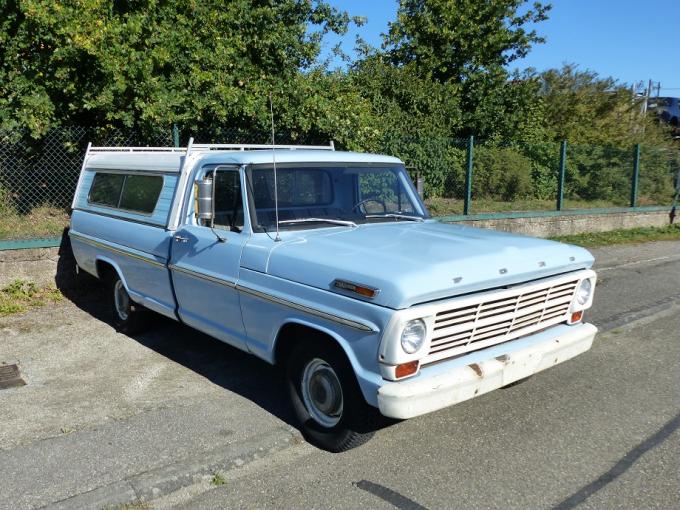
128	317
356	420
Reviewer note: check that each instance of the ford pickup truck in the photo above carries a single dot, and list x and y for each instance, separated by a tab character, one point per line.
327	264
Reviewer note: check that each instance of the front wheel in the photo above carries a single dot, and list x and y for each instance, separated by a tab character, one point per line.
128	316
326	398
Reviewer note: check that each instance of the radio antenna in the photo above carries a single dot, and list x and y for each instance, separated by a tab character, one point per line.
276	188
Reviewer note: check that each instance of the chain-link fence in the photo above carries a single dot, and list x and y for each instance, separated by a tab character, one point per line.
38	177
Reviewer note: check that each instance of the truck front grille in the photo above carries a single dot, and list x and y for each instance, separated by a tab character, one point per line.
492	321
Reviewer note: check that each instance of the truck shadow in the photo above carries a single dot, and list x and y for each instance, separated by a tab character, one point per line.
226	366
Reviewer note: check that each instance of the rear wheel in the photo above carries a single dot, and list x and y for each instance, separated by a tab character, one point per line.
326	398
128	316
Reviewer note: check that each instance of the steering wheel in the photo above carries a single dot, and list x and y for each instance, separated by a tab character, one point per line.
361	204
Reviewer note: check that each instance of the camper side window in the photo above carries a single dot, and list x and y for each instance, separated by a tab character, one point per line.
129	192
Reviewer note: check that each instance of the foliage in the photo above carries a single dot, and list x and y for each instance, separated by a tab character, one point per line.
440	76
501	173
145	64
454	41
624	236
43	221
19	295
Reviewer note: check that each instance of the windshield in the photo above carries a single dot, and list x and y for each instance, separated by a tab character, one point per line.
323	196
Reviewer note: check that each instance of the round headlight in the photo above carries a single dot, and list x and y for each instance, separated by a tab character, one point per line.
413	336
584	291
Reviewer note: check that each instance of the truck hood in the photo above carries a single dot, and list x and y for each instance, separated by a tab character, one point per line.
415	262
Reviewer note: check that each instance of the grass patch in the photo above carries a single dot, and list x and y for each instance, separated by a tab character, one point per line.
218	480
624	236
453	206
43	221
137	505
20	295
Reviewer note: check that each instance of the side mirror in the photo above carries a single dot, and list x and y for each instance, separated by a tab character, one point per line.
205	195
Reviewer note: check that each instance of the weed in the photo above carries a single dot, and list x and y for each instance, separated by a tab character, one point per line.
451	206
136	505
624	236
217	480
43	221
10	308
19	295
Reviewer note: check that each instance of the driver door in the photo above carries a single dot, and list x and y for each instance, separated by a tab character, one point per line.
205	262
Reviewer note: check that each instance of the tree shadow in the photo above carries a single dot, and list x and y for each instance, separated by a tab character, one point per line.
226	366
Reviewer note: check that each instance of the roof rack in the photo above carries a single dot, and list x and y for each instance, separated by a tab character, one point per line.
136	149
213	147
256	146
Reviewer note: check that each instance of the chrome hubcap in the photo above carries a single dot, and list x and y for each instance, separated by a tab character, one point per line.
121	300
322	393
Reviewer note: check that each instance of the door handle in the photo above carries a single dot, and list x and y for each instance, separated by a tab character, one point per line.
181	239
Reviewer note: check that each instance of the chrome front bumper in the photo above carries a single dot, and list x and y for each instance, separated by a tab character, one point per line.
444	384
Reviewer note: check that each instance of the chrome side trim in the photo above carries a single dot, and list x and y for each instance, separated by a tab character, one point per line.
98	244
267	297
273	299
306	309
201	276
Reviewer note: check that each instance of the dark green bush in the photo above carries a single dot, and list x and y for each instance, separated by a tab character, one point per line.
501	173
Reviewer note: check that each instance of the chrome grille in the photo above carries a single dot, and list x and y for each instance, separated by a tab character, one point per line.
492	321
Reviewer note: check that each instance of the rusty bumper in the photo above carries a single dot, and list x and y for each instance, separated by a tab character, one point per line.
448	383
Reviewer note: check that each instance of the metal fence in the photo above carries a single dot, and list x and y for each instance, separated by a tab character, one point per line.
38	177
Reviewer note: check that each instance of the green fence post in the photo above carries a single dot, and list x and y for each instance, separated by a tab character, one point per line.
175	135
560	178
636	176
468	175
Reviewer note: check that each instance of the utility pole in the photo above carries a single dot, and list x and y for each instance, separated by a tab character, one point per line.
648	94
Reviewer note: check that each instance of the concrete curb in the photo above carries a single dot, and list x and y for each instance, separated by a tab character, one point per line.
166	479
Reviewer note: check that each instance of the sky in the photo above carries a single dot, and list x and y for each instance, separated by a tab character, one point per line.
631	41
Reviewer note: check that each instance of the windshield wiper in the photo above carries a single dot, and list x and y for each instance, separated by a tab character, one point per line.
396	215
345	223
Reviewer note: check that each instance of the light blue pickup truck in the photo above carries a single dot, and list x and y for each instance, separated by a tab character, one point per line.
327	264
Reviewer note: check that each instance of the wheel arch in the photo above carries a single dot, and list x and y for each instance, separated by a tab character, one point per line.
292	329
107	267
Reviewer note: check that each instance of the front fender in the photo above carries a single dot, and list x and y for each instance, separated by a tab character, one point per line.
366	370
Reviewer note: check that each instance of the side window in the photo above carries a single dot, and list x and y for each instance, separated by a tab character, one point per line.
141	192
228	200
130	192
105	189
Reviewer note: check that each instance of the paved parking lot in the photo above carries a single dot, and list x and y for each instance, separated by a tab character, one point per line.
107	418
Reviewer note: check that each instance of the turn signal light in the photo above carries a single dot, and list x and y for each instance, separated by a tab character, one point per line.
576	317
362	290
406	369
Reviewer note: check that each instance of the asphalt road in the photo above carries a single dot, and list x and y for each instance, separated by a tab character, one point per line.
600	431
156	416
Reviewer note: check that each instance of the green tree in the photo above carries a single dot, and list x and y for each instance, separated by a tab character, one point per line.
455	40
139	64
470	43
